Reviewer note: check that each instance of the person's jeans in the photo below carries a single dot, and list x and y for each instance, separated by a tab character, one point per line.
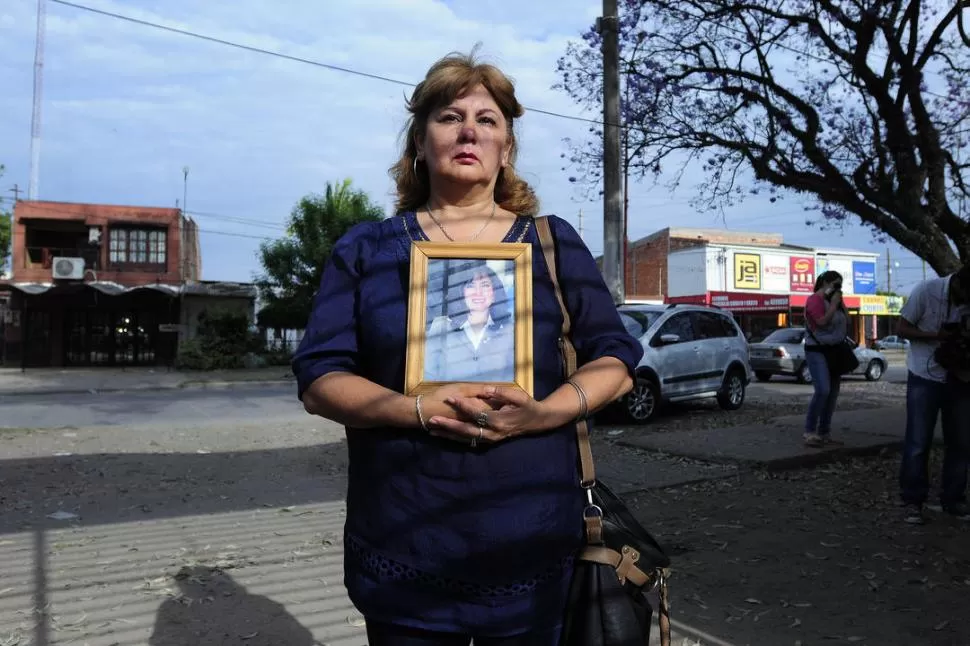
380	634
925	401
827	387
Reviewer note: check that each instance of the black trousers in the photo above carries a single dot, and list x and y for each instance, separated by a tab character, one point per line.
379	634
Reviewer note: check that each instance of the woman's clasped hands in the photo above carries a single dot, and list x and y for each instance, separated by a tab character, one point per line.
484	414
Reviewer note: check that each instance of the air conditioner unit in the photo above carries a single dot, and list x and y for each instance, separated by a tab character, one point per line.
67	268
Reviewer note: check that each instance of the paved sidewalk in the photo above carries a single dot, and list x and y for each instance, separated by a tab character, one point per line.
116	537
48	381
778	444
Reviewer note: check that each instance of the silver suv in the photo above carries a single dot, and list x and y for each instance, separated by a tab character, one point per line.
690	352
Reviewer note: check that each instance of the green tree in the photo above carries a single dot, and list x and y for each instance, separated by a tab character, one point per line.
293	265
6	234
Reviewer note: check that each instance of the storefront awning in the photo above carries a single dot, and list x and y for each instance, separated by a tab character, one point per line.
200	288
105	287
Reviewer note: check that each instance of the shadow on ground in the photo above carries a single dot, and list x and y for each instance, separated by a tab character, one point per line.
212	609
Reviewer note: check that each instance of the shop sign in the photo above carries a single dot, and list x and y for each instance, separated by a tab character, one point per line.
864	277
749	302
747	271
774	269
802	274
894	305
873	305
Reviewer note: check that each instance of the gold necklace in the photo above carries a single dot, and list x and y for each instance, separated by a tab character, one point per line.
445	231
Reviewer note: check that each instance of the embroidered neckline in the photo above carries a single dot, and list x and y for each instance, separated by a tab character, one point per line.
415	233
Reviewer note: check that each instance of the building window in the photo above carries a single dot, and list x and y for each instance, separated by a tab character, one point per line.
137	247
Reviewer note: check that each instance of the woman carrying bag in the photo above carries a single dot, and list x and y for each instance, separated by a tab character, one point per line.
829	355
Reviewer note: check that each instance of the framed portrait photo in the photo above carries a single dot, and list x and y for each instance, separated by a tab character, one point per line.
469	316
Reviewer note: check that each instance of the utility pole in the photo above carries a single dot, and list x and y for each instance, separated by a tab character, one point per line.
16	193
924	270
613	263
32	186
581	226
889	272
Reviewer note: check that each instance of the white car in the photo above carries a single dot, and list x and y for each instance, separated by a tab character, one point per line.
689	352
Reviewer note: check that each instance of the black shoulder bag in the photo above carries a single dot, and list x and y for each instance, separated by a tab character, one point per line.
839	357
621	562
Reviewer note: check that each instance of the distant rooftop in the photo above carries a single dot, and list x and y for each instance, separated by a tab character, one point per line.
739	237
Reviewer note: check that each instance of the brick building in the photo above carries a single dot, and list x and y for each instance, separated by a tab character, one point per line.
647	258
95	284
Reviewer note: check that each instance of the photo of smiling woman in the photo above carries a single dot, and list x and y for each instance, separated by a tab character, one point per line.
472	338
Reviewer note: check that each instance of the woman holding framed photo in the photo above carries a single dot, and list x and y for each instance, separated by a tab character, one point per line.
464	505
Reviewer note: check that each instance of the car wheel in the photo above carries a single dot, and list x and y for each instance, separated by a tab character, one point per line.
804	374
731	396
874	371
762	376
643	401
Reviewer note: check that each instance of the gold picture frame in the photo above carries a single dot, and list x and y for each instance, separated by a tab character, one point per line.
441	269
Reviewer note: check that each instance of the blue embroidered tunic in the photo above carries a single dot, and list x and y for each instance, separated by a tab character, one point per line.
439	535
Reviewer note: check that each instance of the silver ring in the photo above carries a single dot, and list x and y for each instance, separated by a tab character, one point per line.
482	419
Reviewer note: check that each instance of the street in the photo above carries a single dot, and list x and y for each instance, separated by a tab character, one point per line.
245	403
249	404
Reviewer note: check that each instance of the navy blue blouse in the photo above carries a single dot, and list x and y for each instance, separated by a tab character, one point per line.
439	535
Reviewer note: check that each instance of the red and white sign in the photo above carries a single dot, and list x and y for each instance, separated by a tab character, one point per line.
802	274
736	302
775	270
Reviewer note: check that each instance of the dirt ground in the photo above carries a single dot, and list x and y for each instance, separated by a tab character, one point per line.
818	556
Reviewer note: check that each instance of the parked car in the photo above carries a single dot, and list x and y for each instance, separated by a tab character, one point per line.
783	353
891	343
690	352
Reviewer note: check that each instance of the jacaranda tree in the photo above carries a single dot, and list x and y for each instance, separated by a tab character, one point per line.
860	105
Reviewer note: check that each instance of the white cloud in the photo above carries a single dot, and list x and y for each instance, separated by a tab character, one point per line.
126	106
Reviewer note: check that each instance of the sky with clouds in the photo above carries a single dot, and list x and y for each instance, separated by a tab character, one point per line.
126	108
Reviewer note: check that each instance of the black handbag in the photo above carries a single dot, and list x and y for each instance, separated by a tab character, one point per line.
839	357
621	563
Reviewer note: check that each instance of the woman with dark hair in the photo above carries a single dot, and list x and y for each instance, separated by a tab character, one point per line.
827	324
476	340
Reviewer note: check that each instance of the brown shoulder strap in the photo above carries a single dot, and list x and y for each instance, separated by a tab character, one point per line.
548	245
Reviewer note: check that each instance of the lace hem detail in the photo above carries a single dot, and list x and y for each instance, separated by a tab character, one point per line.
387	569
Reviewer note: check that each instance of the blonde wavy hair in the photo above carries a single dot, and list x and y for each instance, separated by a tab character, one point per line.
447	80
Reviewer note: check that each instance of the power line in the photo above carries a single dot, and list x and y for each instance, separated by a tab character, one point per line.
289	57
377	77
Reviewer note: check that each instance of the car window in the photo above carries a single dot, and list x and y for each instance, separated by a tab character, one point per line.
727	325
711	325
632	325
786	335
679	324
637	322
706	326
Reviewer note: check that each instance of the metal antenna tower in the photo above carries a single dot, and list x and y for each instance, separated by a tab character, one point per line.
38	99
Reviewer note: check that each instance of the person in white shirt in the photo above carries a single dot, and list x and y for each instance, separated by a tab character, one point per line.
476	342
936	320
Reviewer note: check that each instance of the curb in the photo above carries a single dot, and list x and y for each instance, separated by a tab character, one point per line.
184	385
789	463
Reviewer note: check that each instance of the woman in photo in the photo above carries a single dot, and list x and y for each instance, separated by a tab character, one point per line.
477	342
464	506
827	326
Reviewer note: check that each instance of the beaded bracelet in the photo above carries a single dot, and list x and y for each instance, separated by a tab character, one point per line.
417	407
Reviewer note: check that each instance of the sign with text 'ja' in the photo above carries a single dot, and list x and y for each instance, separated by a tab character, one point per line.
747	271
